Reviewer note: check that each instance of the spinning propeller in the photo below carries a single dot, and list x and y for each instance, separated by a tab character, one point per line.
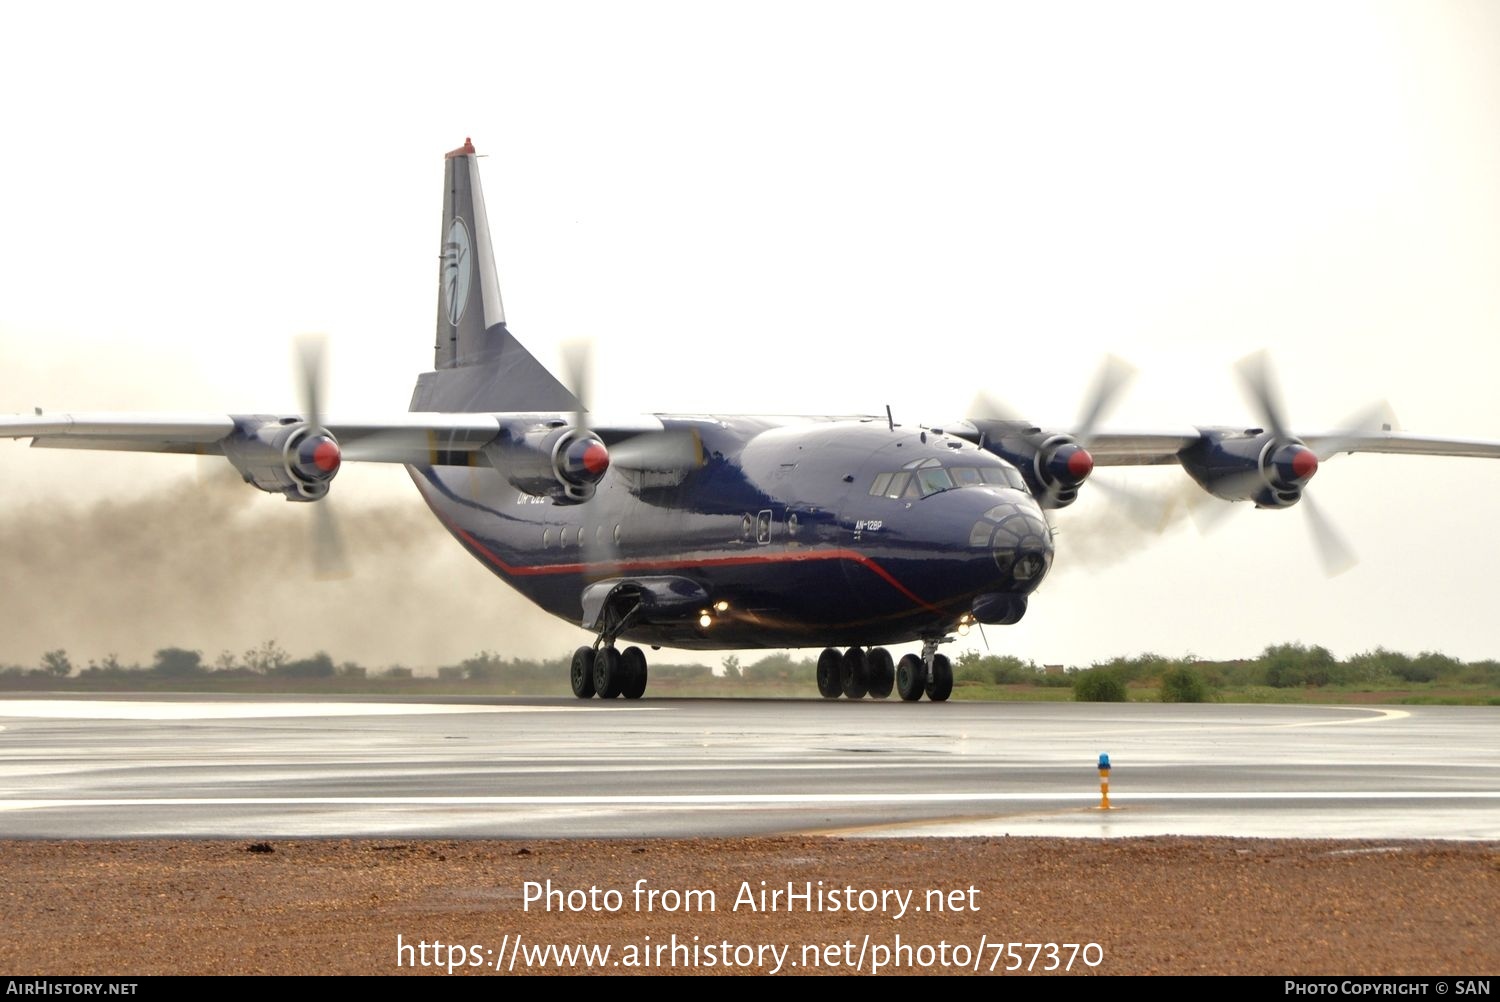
1277	470
586	458
1293	464
317	457
1057	463
653	451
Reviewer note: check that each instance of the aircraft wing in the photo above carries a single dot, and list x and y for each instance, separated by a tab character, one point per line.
296	457
180	433
1269	465
1148	448
408	438
1162	447
1399	443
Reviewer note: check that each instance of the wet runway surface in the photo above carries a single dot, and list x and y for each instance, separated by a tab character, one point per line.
115	767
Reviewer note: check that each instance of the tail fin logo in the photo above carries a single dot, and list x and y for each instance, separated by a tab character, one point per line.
457	270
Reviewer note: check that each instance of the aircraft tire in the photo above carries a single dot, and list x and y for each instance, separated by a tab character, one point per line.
911	678
830	674
633	667
856	673
581	673
940	685
882	672
608	678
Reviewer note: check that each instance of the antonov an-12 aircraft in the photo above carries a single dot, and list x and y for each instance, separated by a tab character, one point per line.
710	531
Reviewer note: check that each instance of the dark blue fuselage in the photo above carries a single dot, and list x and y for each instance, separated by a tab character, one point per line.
787	526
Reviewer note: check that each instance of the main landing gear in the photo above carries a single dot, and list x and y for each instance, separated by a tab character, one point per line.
857	673
608	673
601	670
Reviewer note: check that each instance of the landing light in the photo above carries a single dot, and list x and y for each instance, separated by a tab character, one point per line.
721	606
705	620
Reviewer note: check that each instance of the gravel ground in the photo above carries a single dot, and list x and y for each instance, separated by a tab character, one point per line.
1152	906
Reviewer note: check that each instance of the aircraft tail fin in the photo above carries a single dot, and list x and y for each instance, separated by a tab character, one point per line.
468	285
498	372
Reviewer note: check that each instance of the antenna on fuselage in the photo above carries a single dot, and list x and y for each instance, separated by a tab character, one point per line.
890	422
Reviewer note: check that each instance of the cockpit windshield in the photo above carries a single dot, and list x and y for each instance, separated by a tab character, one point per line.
925	477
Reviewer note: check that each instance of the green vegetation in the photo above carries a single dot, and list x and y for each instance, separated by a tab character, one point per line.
1183	684
1099	685
1282	673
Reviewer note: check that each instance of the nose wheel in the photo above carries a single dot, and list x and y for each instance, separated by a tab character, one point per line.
940	679
914	678
911	678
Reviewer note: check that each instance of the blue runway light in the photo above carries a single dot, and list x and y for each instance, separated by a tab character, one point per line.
1104	781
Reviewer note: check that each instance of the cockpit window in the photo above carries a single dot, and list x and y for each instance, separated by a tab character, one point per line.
933	480
924	477
1005	476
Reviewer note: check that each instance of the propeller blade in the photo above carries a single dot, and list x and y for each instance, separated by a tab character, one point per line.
985	407
384	447
578	361
1334	551
1154	511
1114	375
1209	513
312	350
659	452
1370	419
1260	387
330	558
598	540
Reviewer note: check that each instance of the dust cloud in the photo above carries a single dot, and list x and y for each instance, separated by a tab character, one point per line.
217	566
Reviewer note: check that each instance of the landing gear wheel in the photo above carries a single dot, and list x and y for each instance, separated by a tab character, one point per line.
882	672
856	673
581	674
608	678
830	674
633	667
940	686
911	678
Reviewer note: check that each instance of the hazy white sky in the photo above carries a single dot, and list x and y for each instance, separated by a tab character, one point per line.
799	208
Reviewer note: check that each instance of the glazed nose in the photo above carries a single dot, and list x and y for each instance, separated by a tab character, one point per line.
1019	540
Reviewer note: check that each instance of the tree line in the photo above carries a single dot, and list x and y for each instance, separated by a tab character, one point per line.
1185	679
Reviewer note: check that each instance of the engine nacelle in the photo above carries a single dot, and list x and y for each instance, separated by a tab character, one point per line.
1253	465
284	456
555	461
1053	465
